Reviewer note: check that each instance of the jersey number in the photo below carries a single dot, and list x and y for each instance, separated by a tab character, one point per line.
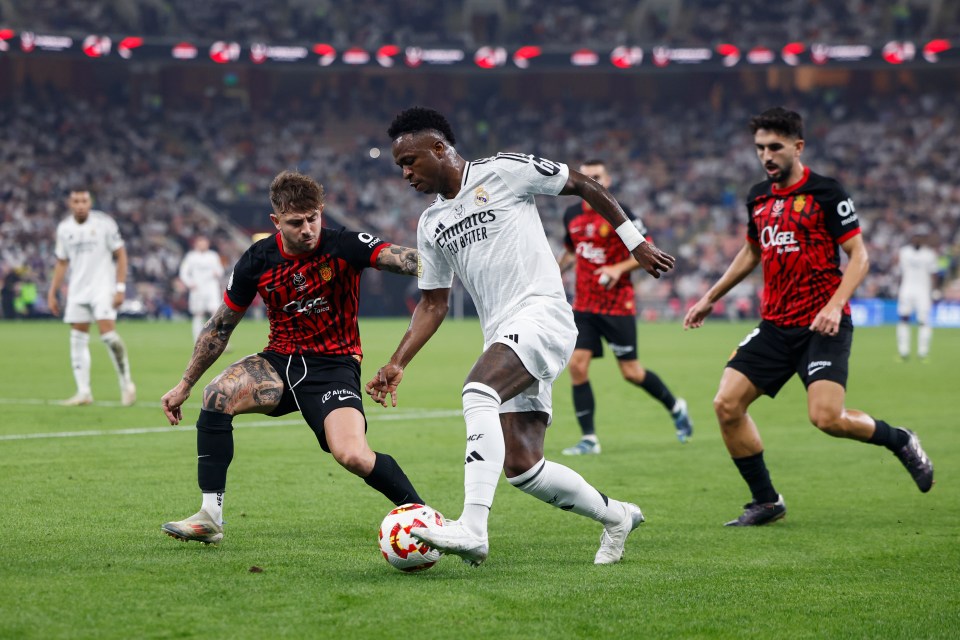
750	336
544	166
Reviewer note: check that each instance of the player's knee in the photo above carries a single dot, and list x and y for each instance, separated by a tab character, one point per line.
477	396
635	375
827	419
215	399
729	412
356	460
516	463
579	370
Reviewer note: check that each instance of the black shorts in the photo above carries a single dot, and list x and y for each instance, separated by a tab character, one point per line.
315	386
770	355
620	332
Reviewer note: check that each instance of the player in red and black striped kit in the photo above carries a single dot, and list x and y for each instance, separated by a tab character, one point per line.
309	279
798	222
604	308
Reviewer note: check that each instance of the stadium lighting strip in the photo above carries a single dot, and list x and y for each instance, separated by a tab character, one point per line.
721	56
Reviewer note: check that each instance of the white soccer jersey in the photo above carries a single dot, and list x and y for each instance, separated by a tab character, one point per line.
490	235
917	265
89	248
202	271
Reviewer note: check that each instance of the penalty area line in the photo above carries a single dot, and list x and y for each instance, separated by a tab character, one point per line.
258	424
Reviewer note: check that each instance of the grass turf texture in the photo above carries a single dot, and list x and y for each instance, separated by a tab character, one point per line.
862	553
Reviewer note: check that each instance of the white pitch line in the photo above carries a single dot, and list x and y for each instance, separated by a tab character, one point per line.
389	417
54	403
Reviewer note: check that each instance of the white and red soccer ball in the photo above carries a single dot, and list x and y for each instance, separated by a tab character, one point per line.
401	549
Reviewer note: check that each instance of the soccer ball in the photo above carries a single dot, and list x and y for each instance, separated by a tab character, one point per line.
401	549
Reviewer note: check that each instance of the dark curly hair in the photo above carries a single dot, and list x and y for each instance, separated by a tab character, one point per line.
779	120
417	119
294	192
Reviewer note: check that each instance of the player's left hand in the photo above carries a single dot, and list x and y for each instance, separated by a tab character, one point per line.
172	402
385	384
827	321
652	260
607	276
118	299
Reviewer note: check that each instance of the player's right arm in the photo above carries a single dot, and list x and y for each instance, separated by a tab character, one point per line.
210	344
427	317
745	261
650	258
59	272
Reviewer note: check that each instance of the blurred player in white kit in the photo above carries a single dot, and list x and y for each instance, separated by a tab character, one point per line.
201	272
89	244
918	271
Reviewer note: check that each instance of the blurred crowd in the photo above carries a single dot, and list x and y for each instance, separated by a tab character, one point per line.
476	22
169	175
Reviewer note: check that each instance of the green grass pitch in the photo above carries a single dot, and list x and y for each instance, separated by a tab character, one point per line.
861	554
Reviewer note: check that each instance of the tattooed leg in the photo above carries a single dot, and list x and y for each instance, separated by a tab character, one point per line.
249	385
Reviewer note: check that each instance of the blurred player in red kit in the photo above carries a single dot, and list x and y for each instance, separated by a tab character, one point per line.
604	307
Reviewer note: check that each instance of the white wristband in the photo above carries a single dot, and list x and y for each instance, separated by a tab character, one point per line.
121	287
630	235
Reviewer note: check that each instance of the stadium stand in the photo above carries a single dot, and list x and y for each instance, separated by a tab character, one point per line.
684	170
474	22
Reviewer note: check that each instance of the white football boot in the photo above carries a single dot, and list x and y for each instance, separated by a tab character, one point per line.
200	527
455	539
614	537
77	400
128	395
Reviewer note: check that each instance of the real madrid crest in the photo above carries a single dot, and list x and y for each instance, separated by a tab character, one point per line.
480	196
798	203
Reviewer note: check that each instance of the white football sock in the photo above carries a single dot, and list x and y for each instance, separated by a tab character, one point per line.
213	505
118	355
924	335
198	322
80	359
566	489
903	339
484	454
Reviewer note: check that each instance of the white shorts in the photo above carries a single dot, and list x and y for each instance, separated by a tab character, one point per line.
910	303
85	312
204	302
543	337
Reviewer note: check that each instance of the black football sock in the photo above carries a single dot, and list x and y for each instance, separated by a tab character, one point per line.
583	407
389	479
653	385
214	450
890	437
754	471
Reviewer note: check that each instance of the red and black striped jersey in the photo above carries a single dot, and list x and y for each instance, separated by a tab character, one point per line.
799	231
595	243
312	299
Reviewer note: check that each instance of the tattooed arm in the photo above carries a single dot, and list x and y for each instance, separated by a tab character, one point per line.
399	259
210	344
